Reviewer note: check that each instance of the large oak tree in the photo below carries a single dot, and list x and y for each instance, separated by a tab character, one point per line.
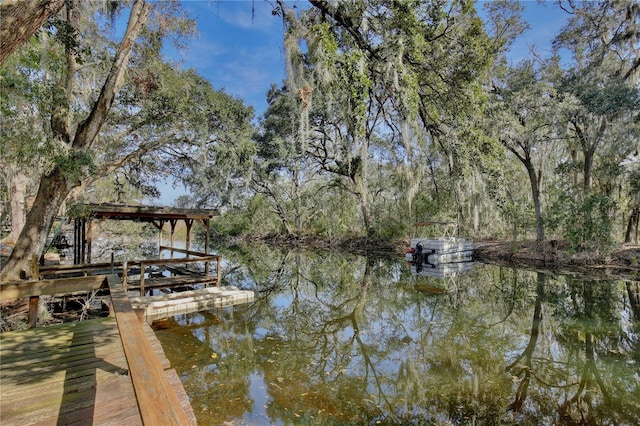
66	174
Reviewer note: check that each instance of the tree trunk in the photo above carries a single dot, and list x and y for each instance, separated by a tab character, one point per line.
51	194
18	204
366	214
21	19
54	187
17	184
588	168
537	204
632	225
359	180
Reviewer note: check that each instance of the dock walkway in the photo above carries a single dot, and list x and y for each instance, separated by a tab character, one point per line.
73	373
101	371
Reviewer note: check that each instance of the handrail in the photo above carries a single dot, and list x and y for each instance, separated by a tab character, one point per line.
60	287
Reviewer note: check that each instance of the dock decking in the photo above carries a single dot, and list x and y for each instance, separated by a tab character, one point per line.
73	373
102	371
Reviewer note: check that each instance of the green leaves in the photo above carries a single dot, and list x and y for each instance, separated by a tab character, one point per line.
602	97
75	165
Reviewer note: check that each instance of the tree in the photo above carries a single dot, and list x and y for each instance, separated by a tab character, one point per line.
603	38
523	119
378	71
283	174
601	106
66	174
173	123
23	131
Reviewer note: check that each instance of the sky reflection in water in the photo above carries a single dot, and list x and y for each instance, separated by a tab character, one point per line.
335	339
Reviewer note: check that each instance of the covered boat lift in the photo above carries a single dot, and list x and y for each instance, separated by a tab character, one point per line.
84	216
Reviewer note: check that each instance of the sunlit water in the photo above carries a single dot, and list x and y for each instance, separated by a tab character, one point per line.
335	339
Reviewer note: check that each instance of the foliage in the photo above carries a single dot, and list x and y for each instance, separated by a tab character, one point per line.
392	113
585	223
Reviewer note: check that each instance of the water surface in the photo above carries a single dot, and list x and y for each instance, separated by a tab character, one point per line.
338	339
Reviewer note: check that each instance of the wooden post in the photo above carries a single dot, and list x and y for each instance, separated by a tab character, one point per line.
32	319
89	240
124	275
172	222
83	238
142	267
188	223
76	241
218	271
160	237
206	245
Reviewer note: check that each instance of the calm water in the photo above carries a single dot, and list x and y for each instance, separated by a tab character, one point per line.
335	339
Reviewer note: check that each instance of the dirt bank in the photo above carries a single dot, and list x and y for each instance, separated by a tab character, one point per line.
555	255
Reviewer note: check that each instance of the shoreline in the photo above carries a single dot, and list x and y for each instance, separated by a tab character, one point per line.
551	256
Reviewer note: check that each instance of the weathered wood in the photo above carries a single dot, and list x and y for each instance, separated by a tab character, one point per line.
157	399
161	306
60	287
72	373
143	213
157	347
188	252
429	223
169	282
80	373
209	258
32	318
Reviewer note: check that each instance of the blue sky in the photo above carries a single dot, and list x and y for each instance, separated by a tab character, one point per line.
238	47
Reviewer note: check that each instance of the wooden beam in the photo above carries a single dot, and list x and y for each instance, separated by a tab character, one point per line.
157	399
32	318
60	287
206	244
172	222
434	223
189	252
170	282
188	223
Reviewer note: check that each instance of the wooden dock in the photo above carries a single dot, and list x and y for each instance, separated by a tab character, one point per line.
102	371
73	373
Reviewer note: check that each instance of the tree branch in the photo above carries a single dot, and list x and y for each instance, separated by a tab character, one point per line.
88	130
21	19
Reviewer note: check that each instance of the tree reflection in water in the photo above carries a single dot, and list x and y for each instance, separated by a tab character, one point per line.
336	339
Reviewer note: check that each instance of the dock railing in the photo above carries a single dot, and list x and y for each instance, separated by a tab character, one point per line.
128	266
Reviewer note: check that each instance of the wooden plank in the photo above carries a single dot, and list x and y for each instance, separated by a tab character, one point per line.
72	380
157	399
156	345
175	381
61	287
190	252
209	258
166	282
